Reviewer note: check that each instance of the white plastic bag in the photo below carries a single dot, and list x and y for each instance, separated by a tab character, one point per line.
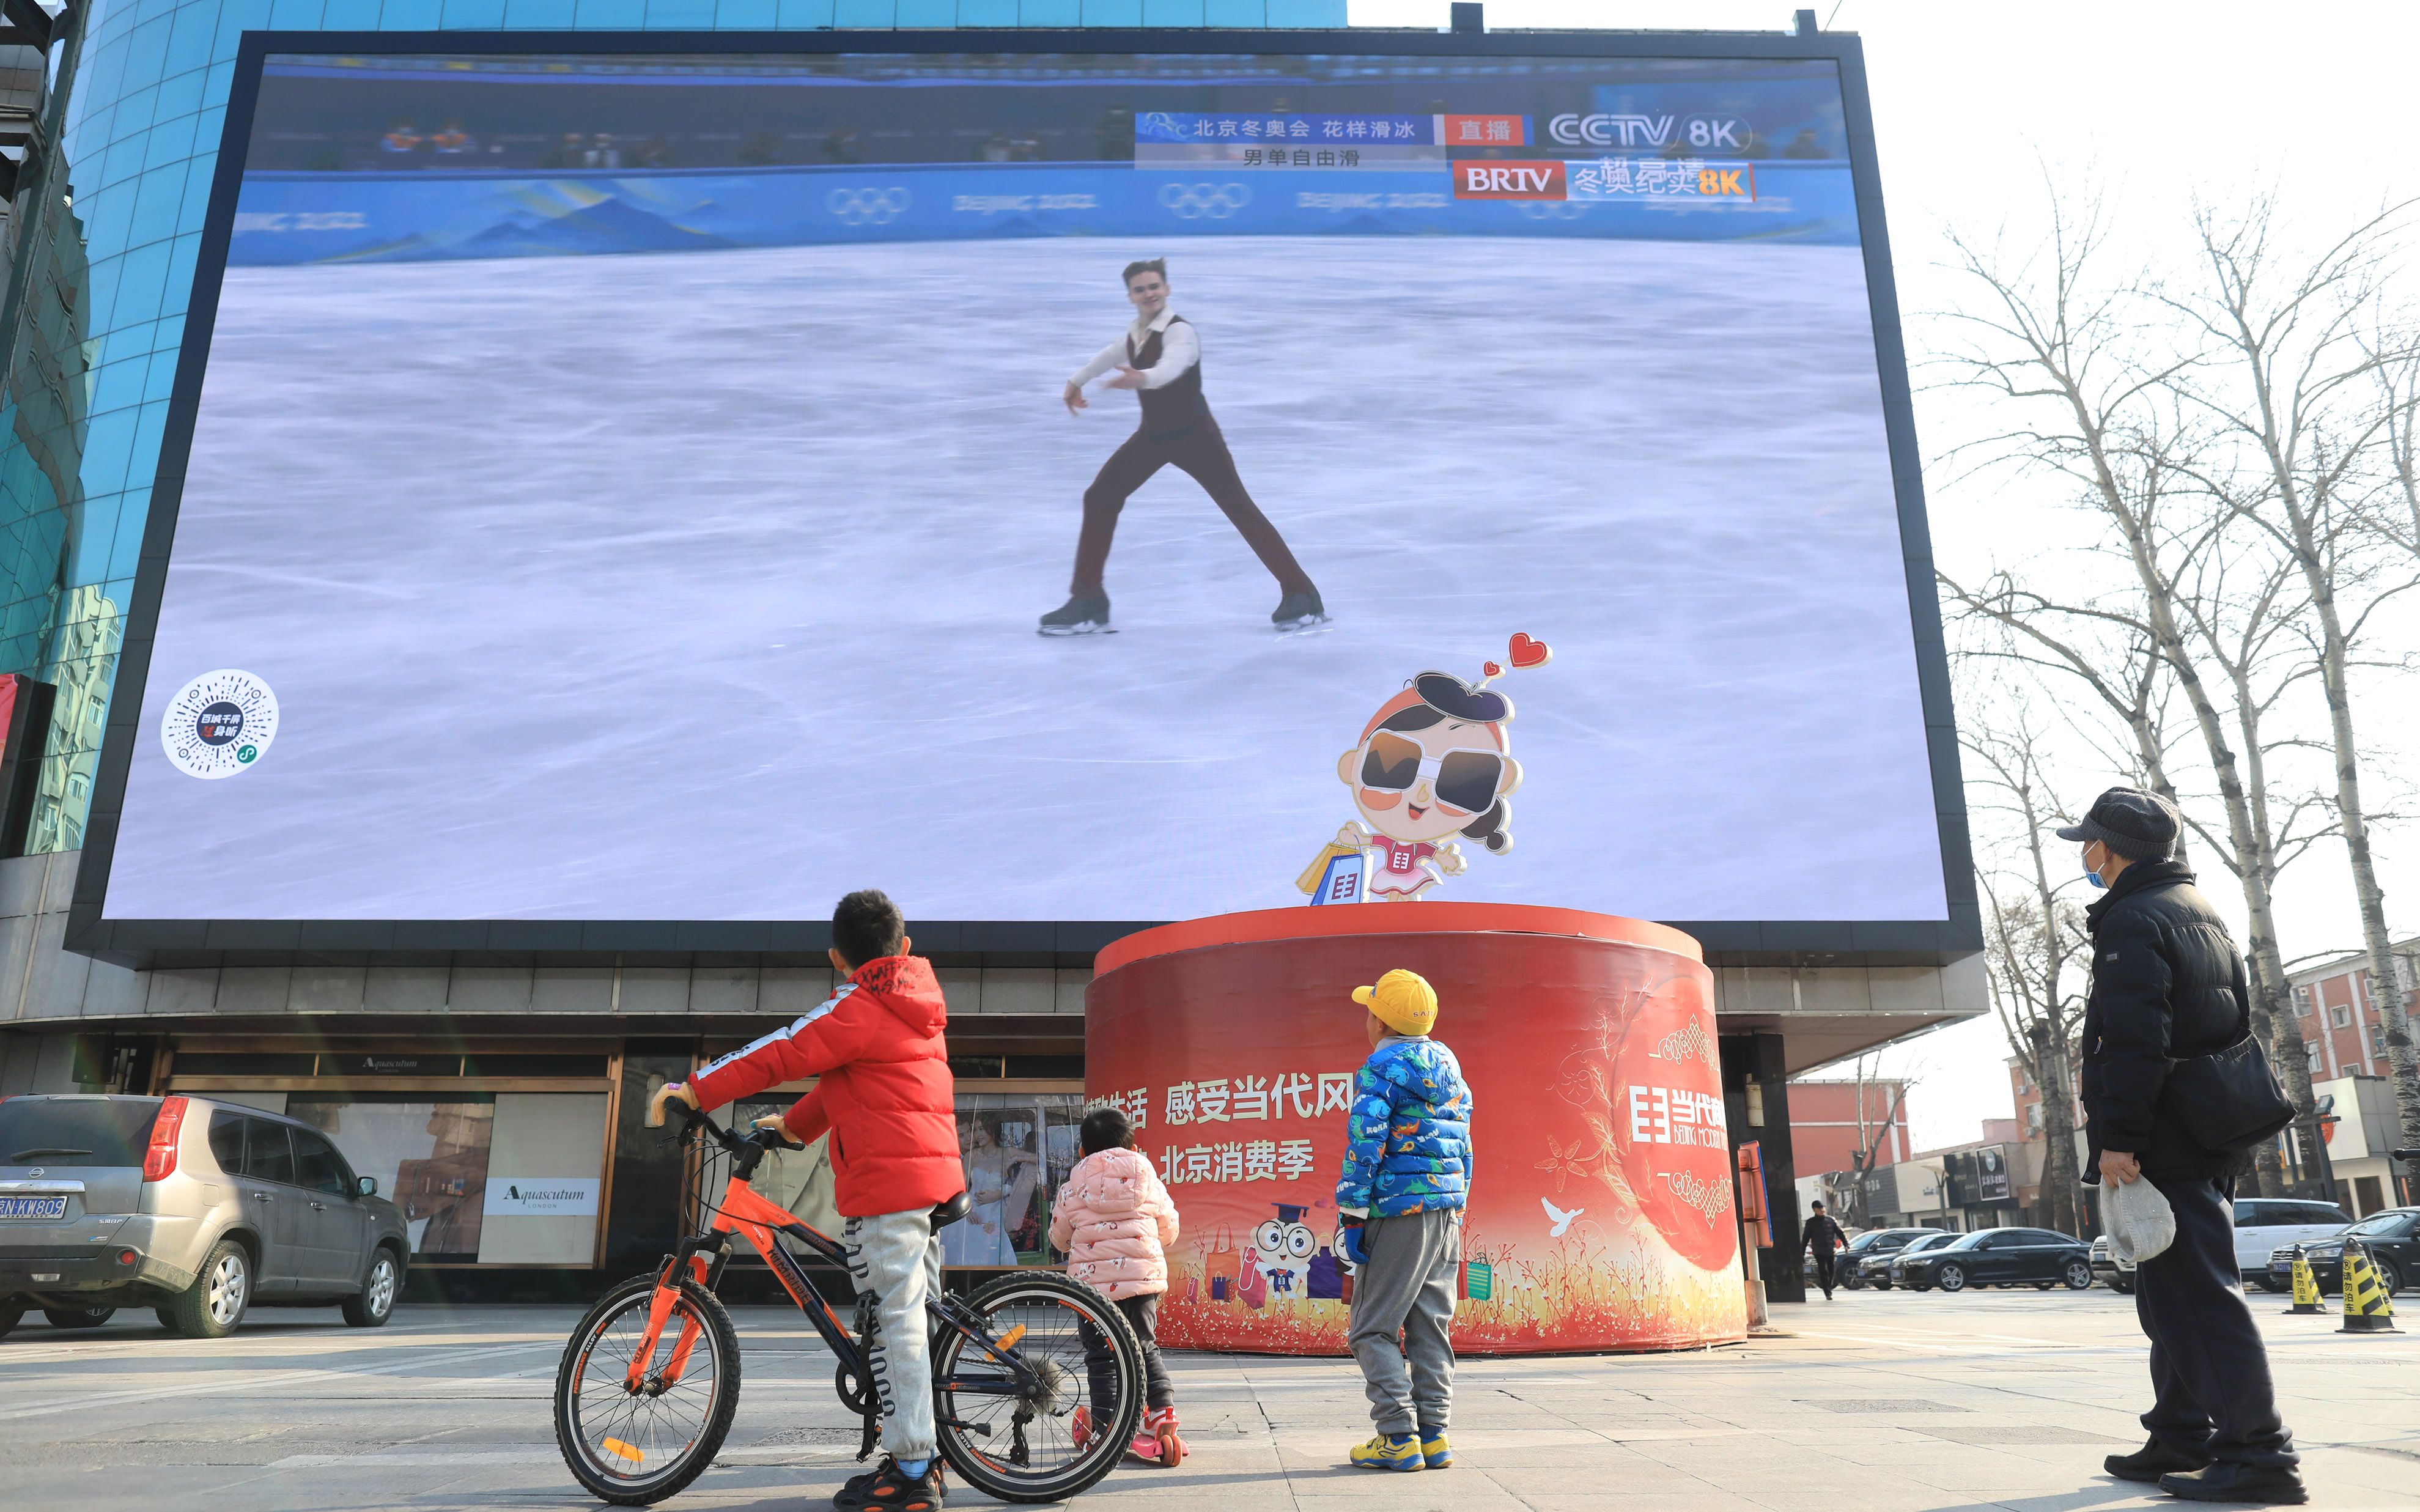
2140	1222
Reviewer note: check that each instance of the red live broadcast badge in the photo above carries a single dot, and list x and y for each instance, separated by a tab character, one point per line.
1483	179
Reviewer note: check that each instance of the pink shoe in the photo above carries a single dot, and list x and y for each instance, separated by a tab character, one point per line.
1160	1424
1079	1427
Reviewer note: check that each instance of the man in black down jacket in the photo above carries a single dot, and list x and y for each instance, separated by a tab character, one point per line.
1820	1236
2168	982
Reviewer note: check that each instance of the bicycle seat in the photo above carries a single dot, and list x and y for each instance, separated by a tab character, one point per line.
953	1210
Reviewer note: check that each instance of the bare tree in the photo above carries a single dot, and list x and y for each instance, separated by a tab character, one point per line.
2087	370
1870	1133
2296	389
2032	938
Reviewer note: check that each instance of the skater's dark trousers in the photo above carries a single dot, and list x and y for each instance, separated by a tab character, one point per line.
1826	1269
1200	452
1101	1362
2208	1369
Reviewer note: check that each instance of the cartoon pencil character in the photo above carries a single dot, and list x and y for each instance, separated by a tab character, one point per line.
1434	764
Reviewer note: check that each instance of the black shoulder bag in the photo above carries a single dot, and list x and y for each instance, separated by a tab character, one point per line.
2230	1100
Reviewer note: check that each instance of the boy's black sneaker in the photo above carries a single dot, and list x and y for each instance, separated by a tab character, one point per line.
884	1487
1299	612
1077	616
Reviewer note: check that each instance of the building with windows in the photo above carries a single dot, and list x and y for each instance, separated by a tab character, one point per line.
449	1078
1830	1131
2337	1012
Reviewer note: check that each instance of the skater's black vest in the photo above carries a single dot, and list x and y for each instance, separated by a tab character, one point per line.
1175	407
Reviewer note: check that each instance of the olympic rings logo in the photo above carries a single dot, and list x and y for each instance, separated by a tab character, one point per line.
1538	209
867	206
1193	202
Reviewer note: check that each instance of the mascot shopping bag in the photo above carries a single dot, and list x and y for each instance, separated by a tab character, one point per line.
1221	1264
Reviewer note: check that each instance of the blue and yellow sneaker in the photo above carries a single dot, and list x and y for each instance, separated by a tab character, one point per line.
1435	1452
1389	1451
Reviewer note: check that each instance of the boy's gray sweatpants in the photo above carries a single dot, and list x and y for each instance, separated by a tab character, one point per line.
897	1256
1407	1288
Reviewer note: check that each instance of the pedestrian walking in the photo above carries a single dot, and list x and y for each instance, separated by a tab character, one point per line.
1399	1207
1159	359
1822	1238
2168	986
1115	1221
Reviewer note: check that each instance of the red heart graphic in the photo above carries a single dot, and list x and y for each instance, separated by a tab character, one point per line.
1493	668
1528	652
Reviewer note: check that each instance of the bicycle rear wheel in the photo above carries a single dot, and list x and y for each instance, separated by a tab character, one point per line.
634	1448
1014	1440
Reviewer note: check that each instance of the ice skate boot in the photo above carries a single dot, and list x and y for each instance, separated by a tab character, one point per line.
1299	612
1079	616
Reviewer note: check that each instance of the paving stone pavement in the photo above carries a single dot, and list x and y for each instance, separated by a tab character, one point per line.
1875	1403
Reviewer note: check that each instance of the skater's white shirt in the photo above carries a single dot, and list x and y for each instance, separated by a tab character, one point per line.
1179	348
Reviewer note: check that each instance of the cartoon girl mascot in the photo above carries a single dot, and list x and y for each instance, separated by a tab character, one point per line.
1434	764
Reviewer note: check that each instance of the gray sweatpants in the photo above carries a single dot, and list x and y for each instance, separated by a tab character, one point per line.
897	1256
1407	1289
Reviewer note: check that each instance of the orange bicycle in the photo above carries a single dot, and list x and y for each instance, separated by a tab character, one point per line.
650	1380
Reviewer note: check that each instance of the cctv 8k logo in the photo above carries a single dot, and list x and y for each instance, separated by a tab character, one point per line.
1194	202
868	206
1700	133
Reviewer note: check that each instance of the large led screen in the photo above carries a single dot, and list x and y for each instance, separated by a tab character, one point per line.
1052	488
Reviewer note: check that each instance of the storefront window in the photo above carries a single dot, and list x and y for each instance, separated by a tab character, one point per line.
482	1178
1018	1147
429	1155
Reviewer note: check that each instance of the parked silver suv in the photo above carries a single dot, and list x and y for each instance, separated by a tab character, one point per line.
194	1208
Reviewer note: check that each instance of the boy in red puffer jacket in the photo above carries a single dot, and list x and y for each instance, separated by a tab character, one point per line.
887	1097
1115	1221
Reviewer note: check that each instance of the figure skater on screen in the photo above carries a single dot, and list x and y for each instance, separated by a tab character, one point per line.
1159	359
1434	762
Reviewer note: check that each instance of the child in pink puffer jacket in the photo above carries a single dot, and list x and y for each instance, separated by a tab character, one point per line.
1114	1219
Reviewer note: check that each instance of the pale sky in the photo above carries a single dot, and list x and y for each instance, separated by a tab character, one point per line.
1972	106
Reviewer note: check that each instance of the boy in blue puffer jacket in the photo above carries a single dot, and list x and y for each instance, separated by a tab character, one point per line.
1399	1209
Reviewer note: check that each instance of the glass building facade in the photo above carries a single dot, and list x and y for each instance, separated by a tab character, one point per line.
107	236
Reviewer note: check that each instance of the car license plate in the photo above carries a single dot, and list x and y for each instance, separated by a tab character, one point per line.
33	1207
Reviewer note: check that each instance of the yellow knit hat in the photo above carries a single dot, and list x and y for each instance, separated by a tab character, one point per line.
1403	1001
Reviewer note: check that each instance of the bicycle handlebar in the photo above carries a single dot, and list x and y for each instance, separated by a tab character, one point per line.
694	1121
731	1140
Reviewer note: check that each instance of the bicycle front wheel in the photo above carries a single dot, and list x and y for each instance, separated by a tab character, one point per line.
634	1445
1016	1434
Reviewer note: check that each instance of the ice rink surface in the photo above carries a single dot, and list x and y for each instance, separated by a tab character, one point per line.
703	585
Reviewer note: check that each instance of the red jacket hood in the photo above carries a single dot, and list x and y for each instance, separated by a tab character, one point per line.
906	989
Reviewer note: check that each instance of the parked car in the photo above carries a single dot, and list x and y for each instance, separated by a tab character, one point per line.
2265	1225
2111	1271
1873	1242
2001	1258
1883	1271
2391	1236
193	1207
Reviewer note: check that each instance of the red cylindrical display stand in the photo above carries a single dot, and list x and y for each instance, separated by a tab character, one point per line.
1602	1213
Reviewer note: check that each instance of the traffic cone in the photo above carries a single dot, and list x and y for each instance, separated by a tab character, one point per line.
2307	1288
2365	1307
